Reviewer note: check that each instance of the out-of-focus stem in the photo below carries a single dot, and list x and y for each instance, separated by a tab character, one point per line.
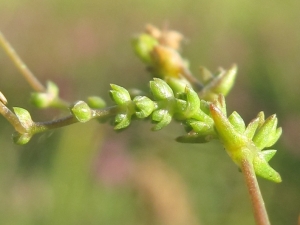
27	74
259	209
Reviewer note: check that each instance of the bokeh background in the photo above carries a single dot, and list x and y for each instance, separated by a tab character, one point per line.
89	174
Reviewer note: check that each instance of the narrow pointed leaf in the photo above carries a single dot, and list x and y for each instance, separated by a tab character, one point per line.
237	121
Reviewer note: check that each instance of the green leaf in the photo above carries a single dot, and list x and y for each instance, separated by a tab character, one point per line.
24	117
263	169
251	128
237	121
267	130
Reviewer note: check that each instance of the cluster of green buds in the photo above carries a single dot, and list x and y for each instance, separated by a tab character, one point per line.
204	121
176	94
247	143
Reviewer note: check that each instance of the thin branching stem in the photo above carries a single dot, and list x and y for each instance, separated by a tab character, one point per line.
259	209
71	119
27	74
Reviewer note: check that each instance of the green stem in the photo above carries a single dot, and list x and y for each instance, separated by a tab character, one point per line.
260	212
27	74
71	119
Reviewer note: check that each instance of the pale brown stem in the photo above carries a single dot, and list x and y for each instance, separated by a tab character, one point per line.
259	209
27	74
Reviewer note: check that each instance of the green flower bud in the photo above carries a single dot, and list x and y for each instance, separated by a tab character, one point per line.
143	46
122	120
81	111
267	130
145	106
119	94
21	139
163	117
237	121
45	99
160	89
193	102
24	117
177	85
263	169
96	102
52	89
40	99
167	62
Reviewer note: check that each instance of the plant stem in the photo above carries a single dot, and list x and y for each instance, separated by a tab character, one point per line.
27	74
260	212
11	118
71	119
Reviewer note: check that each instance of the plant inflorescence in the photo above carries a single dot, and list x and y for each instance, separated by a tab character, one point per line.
198	104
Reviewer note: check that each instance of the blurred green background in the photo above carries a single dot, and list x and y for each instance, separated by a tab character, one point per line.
87	173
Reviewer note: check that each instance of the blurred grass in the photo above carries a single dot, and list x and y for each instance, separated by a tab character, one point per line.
65	178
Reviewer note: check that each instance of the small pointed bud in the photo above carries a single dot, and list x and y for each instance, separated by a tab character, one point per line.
268	154
122	120
261	118
251	128
81	111
221	84
178	85
274	138
21	139
143	46
163	117
52	89
263	169
221	104
193	102
267	130
228	135
145	106
24	117
96	102
237	121
160	89
204	106
205	75
119	94
167	62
